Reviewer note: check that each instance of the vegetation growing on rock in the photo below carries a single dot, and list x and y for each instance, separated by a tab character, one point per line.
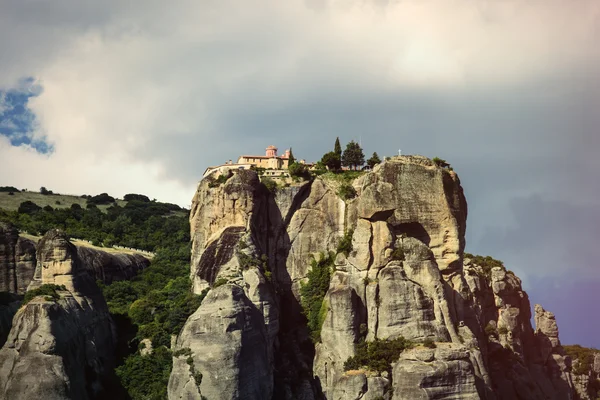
47	290
313	292
487	263
347	192
584	357
377	355
345	244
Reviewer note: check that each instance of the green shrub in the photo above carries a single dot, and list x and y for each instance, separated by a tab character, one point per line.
146	377
28	207
397	254
583	358
220	282
440	162
429	343
10	189
347	192
486	263
345	244
298	170
220	180
48	290
312	294
270	184
102	198
377	355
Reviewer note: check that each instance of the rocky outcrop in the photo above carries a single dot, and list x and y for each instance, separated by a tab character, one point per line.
109	267
444	372
17	260
405	276
59	348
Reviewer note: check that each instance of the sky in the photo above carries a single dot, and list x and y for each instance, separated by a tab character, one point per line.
142	96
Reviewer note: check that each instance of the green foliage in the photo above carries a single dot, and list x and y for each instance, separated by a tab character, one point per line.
146	377
429	343
136	197
313	292
10	189
140	225
332	161
486	263
377	355
221	179
397	254
48	290
374	160
220	282
102	198
28	207
337	148
347	192
247	261
353	156
270	184
345	244
259	170
583	358
440	162
45	191
291	158
298	170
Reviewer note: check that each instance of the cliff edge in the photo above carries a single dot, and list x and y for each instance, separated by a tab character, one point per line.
396	270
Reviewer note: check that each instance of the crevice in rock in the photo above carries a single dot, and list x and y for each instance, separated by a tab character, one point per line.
412	229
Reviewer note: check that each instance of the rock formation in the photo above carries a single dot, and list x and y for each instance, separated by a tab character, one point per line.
59	348
17	260
405	276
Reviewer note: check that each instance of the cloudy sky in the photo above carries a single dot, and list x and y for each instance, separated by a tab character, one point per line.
141	96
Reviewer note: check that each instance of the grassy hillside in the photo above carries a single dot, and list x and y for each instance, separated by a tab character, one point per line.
11	202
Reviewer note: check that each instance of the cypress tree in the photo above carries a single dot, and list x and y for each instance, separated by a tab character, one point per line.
337	149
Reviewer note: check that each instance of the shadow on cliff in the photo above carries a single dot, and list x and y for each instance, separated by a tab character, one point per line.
295	352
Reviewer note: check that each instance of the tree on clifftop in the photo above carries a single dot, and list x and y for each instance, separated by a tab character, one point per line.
291	158
337	149
353	155
374	160
332	161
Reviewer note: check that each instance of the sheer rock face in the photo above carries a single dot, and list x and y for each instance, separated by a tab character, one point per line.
405	276
110	267
59	349
229	344
444	372
17	260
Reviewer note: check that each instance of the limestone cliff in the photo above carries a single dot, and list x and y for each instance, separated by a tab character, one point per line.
59	348
405	276
17	260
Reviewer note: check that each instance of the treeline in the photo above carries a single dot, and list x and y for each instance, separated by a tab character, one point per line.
139	224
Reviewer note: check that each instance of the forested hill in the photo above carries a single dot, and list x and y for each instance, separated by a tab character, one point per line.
153	305
135	221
